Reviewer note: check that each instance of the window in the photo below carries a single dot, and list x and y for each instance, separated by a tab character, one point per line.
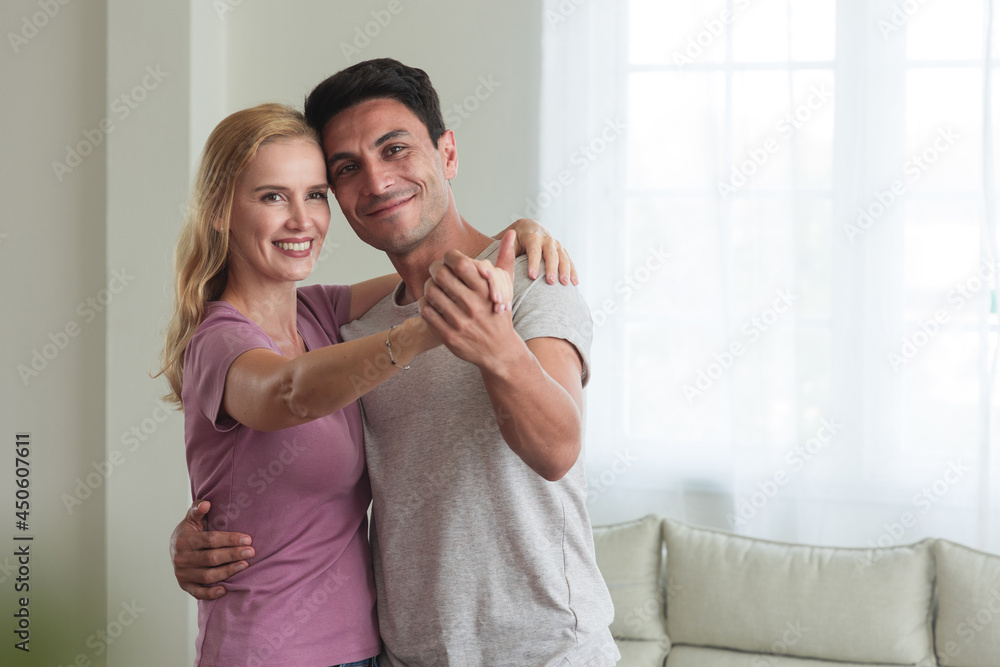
783	216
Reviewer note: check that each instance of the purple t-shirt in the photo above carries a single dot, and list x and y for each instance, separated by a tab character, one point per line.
302	493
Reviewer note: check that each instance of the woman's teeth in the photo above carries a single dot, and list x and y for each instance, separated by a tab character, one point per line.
294	246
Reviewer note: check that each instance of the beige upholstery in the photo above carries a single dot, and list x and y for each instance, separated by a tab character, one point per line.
693	656
629	556
814	602
967	632
734	601
642	653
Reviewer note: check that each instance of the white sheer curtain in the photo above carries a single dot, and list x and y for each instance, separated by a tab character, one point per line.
783	211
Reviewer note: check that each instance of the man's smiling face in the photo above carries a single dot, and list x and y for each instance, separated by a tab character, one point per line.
390	180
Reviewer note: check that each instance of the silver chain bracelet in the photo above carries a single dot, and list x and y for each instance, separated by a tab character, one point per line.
388	346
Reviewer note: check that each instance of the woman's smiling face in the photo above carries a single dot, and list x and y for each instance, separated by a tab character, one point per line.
280	212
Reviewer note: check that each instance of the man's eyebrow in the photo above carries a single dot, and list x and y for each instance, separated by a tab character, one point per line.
388	136
337	156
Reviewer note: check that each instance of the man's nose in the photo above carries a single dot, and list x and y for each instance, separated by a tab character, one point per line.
378	178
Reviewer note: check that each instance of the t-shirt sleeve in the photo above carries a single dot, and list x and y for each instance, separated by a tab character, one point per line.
340	297
215	345
552	311
330	305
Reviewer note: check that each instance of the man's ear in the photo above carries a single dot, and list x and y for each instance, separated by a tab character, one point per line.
449	154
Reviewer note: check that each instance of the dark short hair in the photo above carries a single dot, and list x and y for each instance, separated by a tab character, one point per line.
382	78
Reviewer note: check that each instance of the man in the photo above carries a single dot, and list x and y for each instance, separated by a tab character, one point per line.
480	536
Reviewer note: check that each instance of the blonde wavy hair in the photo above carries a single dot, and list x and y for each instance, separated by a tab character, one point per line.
201	259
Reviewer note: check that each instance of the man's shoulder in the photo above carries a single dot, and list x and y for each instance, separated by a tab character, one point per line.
381	316
537	293
523	283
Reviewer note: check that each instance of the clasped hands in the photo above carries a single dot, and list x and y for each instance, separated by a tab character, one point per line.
461	304
467	303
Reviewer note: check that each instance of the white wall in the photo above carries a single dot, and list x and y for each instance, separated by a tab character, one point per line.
52	258
152	48
106	231
282	57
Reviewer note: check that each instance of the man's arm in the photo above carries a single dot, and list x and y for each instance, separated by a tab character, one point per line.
202	558
532	239
537	382
540	389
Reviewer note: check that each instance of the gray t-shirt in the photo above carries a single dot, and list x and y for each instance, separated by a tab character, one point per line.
479	561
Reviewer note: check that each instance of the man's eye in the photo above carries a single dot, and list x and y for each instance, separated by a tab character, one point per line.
395	149
346	169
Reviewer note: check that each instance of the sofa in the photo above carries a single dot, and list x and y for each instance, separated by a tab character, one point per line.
693	597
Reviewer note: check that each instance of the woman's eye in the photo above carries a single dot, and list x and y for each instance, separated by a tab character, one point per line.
318	195
271	196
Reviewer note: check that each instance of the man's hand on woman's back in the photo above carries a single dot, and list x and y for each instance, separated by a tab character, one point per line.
203	558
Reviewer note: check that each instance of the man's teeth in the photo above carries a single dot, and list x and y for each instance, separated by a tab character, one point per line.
294	246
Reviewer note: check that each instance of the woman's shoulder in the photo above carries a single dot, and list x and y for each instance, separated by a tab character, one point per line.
221	315
224	325
221	310
330	305
328	293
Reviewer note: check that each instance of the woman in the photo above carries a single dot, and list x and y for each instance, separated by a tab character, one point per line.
272	425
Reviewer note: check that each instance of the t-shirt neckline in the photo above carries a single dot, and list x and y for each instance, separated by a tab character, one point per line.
274	346
400	291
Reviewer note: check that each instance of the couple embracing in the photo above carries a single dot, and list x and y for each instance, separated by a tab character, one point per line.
449	395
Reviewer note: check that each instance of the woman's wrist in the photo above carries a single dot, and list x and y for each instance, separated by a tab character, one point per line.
409	339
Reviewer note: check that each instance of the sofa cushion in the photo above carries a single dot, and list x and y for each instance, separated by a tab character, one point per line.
694	656
629	556
967	631
642	652
815	602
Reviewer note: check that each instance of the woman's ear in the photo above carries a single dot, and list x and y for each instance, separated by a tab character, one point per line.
217	225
